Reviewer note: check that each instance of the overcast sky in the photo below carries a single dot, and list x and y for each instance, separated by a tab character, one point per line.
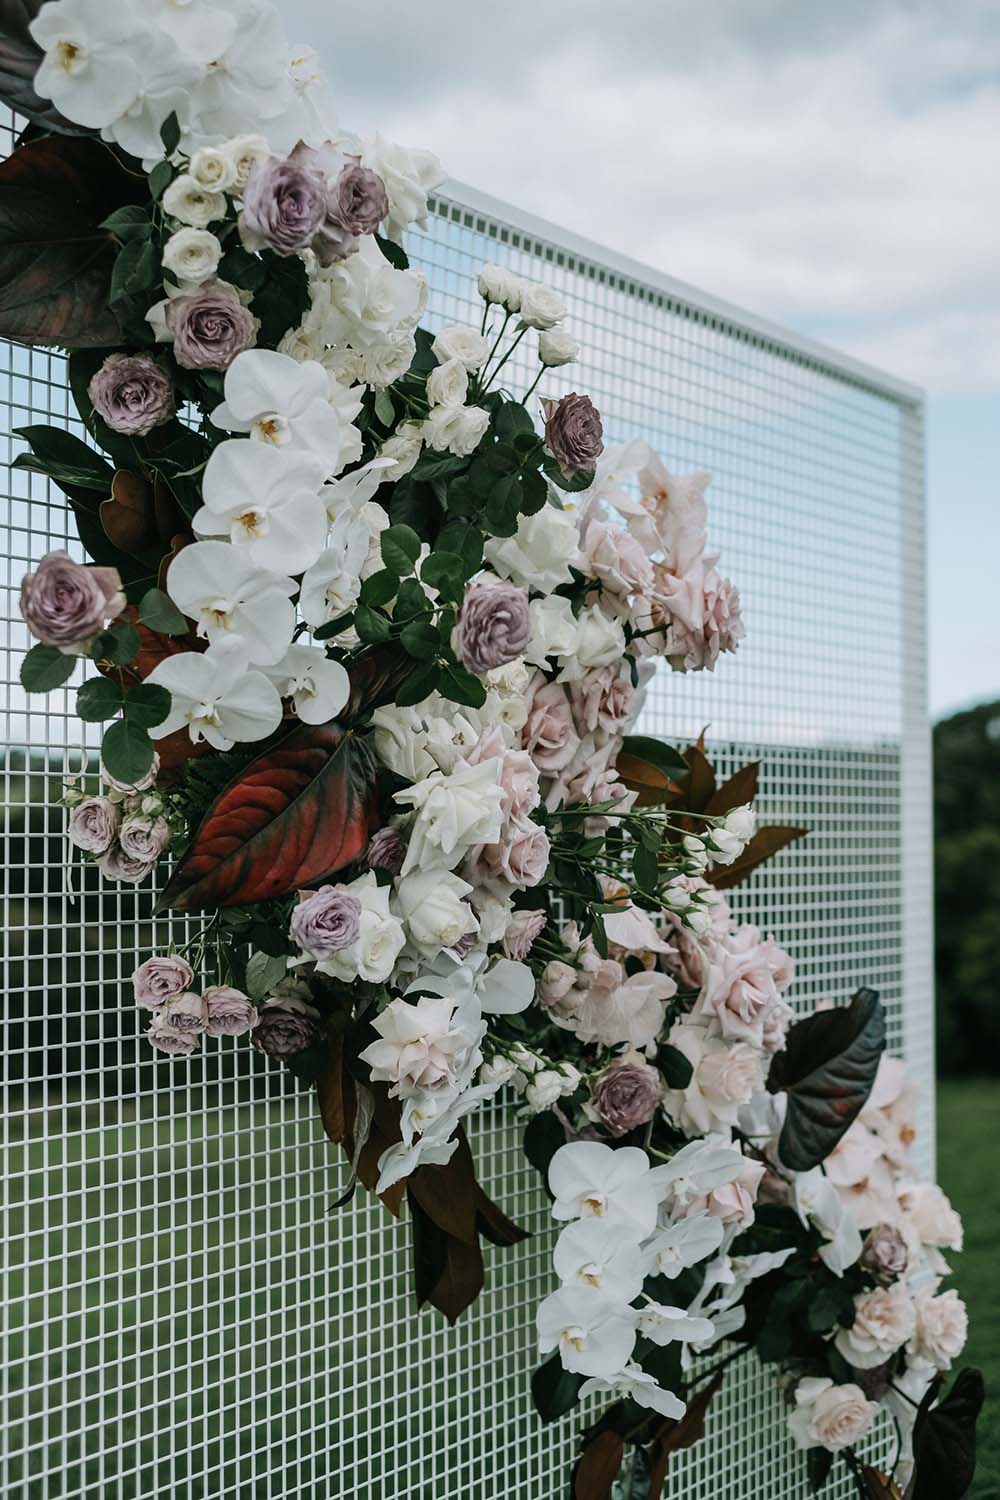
832	166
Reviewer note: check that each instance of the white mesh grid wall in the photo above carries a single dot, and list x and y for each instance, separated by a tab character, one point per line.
184	1314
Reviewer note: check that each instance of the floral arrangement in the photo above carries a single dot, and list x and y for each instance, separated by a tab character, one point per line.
370	636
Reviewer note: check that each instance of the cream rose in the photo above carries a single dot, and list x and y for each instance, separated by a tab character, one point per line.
830	1416
430	903
942	1328
884	1320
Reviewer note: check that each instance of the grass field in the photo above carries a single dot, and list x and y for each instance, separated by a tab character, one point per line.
969	1169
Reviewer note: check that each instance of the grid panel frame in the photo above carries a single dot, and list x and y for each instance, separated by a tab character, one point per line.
184	1312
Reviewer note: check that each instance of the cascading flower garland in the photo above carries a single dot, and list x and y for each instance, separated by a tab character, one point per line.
371	648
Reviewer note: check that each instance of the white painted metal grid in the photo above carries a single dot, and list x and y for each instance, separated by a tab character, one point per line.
183	1314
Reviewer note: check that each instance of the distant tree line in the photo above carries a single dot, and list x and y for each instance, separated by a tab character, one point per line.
967	889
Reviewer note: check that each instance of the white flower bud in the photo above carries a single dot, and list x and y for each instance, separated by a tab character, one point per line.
556	347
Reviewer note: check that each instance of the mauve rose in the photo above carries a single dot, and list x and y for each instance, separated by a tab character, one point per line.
166	1038
385	851
884	1254
285	1026
627	1094
493	626
144	838
359	199
573	433
209	326
160	979
93	824
284	204
116	864
187	1012
614	556
64	603
602	700
139	786
520	860
326	921
549	735
229	1011
522	929
133	393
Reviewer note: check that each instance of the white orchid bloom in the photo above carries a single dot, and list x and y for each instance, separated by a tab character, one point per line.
683	1244
670	1325
216	698
218	587
818	1203
696	1169
280	401
591	1180
593	1335
330	587
345	497
636	1384
594	1252
317	686
266	500
92	68
436	1145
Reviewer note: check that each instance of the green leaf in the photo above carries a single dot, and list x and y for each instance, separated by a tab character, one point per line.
460	686
379	588
160	613
819	1462
534	492
147	705
411	600
99	698
418	685
384	408
421	639
400	549
664	757
135	270
129	222
243	269
394	254
464	541
160	179
445	572
543	1136
371	627
127	751
45	668
170	133
58	451
512	421
599	934
645	868
554	1389
333	627
62	474
434	465
264	971
578	481
119	645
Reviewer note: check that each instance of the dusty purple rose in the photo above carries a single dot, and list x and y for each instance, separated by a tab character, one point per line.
144	838
573	433
385	851
186	1013
166	1037
160	979
522	929
93	824
209	326
359	199
117	865
229	1011
335	237
626	1095
132	393
64	603
326	920
285	1025
284	204
493	626
884	1254
140	786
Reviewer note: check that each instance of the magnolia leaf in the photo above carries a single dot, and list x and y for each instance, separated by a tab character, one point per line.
300	811
683	1433
598	1467
650	784
701	782
447	1194
765	843
827	1069
879	1486
944	1440
740	789
492	1222
55	259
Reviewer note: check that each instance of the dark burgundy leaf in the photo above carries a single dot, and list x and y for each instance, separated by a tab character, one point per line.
598	1468
827	1070
375	676
55	260
299	812
19	60
492	1222
944	1440
683	1432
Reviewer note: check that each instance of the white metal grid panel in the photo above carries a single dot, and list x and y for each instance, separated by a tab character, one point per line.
183	1313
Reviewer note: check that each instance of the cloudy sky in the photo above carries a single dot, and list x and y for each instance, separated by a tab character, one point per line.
832	166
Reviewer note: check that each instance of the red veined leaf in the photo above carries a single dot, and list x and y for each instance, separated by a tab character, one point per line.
827	1069
301	811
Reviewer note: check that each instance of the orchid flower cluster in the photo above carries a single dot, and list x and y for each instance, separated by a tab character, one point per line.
372	635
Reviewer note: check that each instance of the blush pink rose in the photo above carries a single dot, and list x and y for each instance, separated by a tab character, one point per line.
602	700
549	735
705	618
732	1202
615	557
522	930
160	979
93	824
738	989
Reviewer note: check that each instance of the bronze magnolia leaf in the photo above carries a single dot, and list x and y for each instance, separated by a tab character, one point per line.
740	789
681	1433
765	843
598	1467
827	1069
335	1092
701	780
55	260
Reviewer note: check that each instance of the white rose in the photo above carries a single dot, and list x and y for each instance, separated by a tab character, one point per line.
455	429
498	284
884	1320
830	1416
404	448
448	384
401	742
541	307
213	169
409	175
244	152
431	905
544	1089
498	1070
372	956
556	347
553	629
942	1328
539	554
453	813
388	361
463	344
192	254
600	640
187	201
493	913
929	1211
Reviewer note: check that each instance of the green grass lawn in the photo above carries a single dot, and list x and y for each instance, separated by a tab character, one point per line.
969	1172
